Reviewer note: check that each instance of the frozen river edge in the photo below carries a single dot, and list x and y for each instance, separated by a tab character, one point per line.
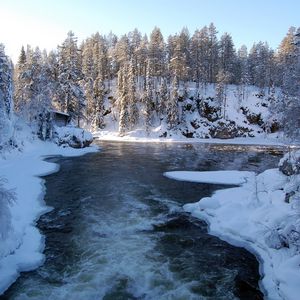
22	249
248	215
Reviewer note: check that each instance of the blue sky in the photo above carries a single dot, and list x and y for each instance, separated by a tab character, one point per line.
45	23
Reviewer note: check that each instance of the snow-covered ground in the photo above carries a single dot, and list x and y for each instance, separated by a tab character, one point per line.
21	248
142	136
255	215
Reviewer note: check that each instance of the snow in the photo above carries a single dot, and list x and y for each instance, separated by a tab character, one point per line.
198	123
215	177
22	249
141	136
255	216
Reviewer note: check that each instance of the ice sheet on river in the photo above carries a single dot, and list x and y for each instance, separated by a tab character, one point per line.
215	177
256	216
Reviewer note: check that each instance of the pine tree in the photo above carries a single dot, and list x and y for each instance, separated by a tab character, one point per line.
241	73
148	98
290	104
212	53
172	105
20	82
98	107
123	100
6	101
223	79
156	53
199	56
179	60
133	113
227	56
163	96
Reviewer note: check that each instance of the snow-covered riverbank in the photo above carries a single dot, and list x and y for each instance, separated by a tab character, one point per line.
22	247
153	137
254	215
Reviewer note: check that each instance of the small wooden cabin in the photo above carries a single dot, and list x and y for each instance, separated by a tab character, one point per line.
60	119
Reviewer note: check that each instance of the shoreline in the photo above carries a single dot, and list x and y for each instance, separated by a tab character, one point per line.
260	213
249	141
23	249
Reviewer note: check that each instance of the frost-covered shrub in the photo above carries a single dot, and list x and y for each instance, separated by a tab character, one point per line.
72	136
7	197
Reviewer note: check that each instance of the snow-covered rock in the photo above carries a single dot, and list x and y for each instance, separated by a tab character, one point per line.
72	136
290	163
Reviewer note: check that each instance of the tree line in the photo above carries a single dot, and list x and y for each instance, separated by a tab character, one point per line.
146	74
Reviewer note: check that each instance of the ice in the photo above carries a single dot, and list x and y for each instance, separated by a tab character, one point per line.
219	177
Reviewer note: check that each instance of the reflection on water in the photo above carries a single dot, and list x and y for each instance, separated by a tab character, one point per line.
117	230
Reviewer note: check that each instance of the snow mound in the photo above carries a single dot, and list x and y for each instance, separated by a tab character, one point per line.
72	136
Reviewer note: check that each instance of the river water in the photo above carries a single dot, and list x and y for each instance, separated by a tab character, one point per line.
117	229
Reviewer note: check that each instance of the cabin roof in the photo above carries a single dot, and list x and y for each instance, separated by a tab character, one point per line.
59	113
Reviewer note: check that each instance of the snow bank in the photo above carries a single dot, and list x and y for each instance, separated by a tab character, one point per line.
22	249
153	137
72	136
256	216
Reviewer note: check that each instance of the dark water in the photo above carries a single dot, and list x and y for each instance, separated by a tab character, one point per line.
117	229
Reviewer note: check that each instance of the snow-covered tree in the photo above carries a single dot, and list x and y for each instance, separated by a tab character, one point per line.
123	100
98	105
241	73
212	56
156	53
133	113
19	81
223	79
163	96
70	94
199	56
179	67
148	98
6	102
227	55
172	105
260	65
290	104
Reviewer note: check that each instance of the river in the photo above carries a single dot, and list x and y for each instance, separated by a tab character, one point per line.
117	229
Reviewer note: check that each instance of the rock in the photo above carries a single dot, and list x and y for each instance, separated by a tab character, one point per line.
224	130
252	117
289	167
288	196
188	134
209	110
195	124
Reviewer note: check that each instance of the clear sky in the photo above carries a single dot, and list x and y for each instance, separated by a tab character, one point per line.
45	23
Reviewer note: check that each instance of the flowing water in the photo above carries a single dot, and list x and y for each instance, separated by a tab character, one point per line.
117	229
